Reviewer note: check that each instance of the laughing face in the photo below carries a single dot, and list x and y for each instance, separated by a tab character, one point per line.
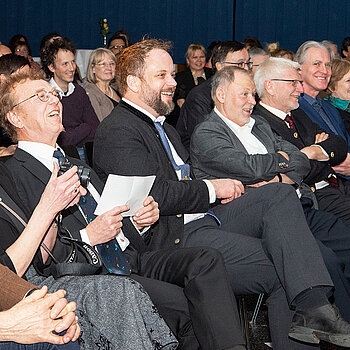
36	120
316	71
158	83
237	99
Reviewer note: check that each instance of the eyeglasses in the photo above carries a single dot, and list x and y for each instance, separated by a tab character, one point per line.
293	81
249	64
102	65
42	95
117	47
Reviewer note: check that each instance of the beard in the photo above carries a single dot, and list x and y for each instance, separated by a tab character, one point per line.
153	99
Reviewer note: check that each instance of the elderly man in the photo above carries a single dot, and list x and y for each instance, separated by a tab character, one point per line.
315	71
134	140
199	102
79	118
220	148
32	113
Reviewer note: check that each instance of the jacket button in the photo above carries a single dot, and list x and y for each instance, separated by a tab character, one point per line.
313	189
177	241
179	215
295	135
332	154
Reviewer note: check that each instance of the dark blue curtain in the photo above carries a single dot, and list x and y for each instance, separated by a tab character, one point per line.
291	22
182	22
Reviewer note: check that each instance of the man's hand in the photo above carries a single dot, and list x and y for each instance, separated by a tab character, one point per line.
344	167
34	319
321	137
227	189
284	154
262	183
147	215
106	226
62	191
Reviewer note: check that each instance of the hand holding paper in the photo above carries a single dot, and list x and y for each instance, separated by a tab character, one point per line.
124	190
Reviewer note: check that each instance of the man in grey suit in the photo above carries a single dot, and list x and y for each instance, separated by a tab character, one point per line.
264	249
227	145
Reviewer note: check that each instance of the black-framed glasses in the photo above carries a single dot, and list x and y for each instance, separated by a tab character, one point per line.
294	82
43	96
248	64
118	47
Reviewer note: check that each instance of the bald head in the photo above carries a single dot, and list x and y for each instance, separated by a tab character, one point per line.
4	50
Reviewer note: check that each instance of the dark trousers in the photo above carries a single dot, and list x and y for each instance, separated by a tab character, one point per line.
267	248
336	200
39	346
201	280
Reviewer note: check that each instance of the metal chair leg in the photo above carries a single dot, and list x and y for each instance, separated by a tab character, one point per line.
252	322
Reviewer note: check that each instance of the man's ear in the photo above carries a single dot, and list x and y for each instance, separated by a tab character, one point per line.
219	66
13	118
51	68
134	83
220	94
268	86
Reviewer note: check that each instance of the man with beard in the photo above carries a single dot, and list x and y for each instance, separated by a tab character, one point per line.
264	249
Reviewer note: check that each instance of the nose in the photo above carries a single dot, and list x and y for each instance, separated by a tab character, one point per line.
72	66
171	81
299	87
252	99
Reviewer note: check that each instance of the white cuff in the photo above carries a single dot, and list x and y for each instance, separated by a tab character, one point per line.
211	190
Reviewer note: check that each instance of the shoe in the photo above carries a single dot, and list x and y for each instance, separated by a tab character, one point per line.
323	323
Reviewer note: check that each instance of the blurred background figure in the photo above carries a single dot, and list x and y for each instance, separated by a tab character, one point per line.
339	89
99	75
117	43
125	35
345	48
210	50
252	43
333	47
257	56
19	45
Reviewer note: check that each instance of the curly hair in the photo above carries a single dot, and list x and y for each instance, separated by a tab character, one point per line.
132	60
48	56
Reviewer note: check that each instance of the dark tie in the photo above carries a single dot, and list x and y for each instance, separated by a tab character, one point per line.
317	105
185	168
112	255
290	121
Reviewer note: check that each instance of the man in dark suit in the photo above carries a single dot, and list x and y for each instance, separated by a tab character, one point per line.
133	141
324	149
32	112
199	102
225	145
315	71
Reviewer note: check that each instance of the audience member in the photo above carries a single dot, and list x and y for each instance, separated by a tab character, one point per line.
79	118
189	273
252	43
30	316
210	50
332	197
199	102
257	56
339	88
125	35
345	48
232	144
283	53
117	43
4	50
132	141
99	74
333	47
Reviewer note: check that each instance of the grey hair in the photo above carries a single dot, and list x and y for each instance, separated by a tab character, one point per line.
300	55
256	51
225	76
272	68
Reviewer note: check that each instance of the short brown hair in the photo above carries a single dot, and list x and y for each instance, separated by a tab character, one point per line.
132	60
340	67
8	99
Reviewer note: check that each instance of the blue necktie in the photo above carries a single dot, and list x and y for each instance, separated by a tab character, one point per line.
317	105
112	255
185	168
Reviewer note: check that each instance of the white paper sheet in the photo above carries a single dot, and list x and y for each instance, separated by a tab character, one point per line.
120	190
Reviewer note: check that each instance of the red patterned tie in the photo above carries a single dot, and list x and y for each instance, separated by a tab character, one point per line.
289	120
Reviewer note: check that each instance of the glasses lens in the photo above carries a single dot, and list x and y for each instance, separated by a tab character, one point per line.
43	96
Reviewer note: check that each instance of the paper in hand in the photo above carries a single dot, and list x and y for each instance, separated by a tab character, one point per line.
120	190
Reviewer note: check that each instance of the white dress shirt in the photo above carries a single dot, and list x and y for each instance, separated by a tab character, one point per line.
212	196
70	90
44	154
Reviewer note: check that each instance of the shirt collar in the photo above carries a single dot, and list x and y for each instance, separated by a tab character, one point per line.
232	125
71	88
40	151
277	112
160	119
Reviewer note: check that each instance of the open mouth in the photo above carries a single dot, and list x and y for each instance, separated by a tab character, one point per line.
54	114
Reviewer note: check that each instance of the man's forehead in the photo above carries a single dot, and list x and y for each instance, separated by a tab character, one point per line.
158	59
29	87
242	81
292	73
237	56
317	53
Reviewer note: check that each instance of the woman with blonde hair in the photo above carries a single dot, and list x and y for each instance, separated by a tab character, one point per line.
99	75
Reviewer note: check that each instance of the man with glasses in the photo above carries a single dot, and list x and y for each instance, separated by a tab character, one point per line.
199	102
79	118
117	44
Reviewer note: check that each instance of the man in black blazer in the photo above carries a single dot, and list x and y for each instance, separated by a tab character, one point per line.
182	283
252	231
279	90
